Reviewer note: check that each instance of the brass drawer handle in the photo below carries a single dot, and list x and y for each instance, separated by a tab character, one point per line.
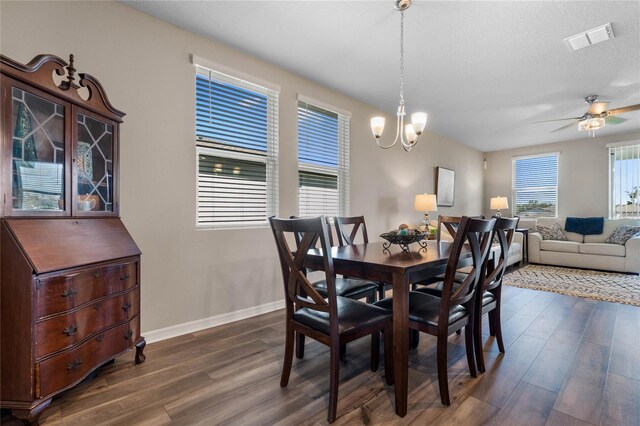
100	337
71	330
97	273
70	292
126	306
128	334
73	365
125	277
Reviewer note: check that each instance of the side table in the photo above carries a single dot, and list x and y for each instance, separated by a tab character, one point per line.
525	245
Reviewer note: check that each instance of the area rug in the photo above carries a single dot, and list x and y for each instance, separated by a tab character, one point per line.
607	286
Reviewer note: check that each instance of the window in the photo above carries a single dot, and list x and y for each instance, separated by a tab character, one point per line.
323	161
624	181
237	151
535	185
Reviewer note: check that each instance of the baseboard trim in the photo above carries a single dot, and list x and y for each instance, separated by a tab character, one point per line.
201	324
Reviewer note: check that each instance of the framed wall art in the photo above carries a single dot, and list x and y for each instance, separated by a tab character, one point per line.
446	187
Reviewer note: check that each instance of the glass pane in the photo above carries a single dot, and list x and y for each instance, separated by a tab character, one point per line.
38	152
94	159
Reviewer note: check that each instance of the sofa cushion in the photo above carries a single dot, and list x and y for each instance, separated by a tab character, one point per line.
552	232
564	246
551	221
610	225
603	249
622	234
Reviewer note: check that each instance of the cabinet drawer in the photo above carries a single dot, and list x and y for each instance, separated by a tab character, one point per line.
65	331
66	291
69	367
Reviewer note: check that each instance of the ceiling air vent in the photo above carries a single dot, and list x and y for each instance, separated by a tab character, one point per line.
587	38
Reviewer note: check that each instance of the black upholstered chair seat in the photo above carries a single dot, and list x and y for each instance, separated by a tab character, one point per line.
435	288
487	297
425	308
348	287
352	315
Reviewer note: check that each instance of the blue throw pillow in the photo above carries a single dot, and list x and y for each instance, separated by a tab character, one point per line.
584	225
574	224
593	225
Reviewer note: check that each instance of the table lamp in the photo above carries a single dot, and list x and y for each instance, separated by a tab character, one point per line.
498	203
425	203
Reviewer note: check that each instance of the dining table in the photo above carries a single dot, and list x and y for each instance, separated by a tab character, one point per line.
372	261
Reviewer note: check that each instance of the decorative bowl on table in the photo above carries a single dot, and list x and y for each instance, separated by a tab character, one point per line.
404	237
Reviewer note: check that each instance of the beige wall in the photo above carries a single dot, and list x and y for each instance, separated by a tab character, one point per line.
143	63
583	170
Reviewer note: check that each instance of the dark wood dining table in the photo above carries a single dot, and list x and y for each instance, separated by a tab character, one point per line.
373	262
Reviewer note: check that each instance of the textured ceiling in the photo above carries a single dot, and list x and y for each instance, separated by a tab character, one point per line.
484	71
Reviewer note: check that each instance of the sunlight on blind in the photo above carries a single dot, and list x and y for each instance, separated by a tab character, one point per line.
624	181
535	190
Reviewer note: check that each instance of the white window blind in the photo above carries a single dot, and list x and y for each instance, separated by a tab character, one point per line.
535	185
237	151
624	181
323	161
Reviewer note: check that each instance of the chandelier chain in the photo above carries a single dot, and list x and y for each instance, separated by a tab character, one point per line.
402	57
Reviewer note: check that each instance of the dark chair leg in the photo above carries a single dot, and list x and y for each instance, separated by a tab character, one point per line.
299	345
477	341
498	322
375	350
288	356
380	291
334	378
343	351
388	355
492	324
443	377
468	343
414	338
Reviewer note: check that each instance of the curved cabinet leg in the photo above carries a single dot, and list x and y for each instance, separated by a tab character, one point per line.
32	416
139	350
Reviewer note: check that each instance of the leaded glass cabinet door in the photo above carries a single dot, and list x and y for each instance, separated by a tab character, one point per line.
38	152
94	162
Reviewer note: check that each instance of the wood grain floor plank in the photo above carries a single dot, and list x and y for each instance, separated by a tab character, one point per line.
528	405
602	321
582	393
621	401
549	370
625	352
556	418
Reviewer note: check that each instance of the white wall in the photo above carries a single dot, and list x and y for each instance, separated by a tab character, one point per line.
583	174
143	63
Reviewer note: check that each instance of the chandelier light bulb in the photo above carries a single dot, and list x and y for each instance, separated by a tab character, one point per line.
419	120
377	126
410	133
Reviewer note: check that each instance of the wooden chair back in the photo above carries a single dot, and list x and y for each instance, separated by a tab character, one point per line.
450	223
327	219
504	230
299	292
476	234
347	237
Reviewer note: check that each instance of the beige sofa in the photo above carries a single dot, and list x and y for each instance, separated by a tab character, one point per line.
588	251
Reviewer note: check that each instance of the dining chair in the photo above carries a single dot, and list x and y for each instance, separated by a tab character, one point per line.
443	316
332	320
347	231
488	296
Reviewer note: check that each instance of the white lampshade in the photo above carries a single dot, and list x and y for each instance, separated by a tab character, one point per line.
410	133
425	203
377	126
499	203
419	121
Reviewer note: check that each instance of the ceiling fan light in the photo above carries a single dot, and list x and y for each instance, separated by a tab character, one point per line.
596	123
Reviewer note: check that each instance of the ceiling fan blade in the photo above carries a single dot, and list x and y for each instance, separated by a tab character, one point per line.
623	109
568	125
598	107
559	119
614	120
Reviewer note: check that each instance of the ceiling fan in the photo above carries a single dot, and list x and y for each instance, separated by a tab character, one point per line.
596	116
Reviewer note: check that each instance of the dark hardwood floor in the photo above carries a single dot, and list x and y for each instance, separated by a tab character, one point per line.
569	361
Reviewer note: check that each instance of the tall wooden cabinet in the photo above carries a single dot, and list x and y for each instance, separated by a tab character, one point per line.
69	270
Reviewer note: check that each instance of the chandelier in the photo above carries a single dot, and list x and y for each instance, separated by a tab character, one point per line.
410	133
